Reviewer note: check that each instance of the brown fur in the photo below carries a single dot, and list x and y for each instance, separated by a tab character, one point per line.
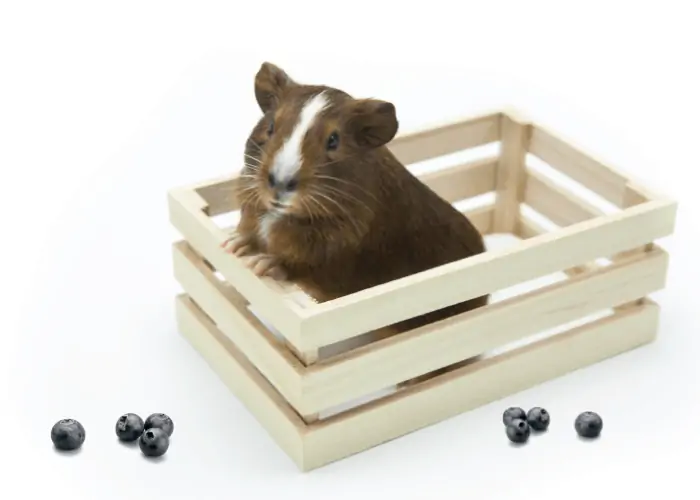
375	222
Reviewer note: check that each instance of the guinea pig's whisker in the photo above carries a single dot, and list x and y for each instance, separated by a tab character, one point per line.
252	158
247	194
250	141
251	187
312	198
353	184
331	178
348	196
342	192
306	208
343	210
331	162
248	176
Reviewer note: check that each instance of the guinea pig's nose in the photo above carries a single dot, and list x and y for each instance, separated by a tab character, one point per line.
279	187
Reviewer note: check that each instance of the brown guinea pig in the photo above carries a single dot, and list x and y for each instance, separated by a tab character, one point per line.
327	206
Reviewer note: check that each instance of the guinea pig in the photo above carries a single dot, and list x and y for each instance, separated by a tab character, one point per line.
327	206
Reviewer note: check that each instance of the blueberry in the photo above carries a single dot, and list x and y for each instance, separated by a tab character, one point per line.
588	424
154	442
513	413
160	421
129	427
538	418
517	430
68	434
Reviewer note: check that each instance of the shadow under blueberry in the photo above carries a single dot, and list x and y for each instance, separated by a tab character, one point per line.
588	439
156	460
67	452
517	445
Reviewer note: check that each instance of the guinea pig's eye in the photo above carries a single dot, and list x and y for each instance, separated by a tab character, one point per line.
333	141
271	128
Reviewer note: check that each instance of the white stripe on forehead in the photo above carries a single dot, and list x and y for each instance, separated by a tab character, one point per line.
288	159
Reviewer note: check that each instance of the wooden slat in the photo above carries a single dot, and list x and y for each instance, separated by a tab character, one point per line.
527	228
265	295
377	366
555	202
228	309
463	181
481	217
445	139
245	382
478	384
636	194
578	165
449	284
219	195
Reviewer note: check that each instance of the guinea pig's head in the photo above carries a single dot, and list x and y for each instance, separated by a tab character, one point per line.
308	154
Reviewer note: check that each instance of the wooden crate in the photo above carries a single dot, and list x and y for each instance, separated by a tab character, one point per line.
283	354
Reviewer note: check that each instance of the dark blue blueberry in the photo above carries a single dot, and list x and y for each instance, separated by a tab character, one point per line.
68	434
513	413
518	431
588	424
160	421
129	427
154	442
538	418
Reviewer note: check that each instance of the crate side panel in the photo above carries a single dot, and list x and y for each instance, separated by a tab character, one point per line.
462	181
557	204
544	254
205	238
229	311
478	384
390	361
280	421
445	139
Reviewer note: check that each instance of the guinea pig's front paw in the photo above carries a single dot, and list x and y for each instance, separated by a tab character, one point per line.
267	265
238	245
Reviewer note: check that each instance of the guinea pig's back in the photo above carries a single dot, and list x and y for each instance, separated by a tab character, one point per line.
417	229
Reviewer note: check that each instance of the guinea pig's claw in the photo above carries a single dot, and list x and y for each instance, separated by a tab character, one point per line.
242	250
267	265
237	245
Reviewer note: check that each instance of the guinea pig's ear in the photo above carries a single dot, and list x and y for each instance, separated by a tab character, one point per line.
270	84
372	123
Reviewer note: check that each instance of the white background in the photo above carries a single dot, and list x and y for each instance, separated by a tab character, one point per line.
106	105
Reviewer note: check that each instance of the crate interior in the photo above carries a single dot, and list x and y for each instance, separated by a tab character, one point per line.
479	207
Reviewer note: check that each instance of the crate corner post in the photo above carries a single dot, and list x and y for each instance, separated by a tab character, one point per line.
515	130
